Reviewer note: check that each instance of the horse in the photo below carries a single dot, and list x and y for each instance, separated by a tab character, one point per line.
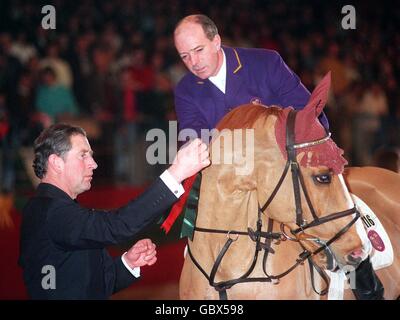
379	189
292	208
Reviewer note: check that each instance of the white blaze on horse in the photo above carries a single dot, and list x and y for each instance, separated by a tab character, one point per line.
271	233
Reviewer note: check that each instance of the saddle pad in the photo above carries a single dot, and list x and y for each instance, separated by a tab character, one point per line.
377	245
374	235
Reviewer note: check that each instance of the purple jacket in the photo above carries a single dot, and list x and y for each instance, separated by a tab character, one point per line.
253	75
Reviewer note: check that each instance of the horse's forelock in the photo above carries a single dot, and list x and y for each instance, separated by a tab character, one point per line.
326	154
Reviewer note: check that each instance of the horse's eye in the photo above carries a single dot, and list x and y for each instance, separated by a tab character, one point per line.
323	178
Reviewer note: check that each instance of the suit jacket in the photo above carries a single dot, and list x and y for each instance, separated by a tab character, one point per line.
56	231
253	75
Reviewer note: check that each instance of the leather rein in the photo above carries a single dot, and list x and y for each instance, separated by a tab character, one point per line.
263	239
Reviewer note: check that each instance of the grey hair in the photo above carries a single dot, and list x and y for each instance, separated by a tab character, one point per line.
54	140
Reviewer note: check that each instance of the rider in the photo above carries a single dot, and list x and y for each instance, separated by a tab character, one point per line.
223	77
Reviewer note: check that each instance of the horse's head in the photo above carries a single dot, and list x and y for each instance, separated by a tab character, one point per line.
316	205
297	178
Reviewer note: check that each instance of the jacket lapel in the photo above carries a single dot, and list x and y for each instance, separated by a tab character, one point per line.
234	68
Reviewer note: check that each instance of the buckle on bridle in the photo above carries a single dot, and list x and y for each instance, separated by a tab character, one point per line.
285	235
228	235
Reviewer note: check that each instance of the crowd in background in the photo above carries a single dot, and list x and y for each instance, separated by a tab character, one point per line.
111	66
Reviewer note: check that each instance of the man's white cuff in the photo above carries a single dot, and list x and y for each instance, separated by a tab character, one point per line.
135	271
175	187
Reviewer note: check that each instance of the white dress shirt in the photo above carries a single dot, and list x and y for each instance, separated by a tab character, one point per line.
219	80
177	189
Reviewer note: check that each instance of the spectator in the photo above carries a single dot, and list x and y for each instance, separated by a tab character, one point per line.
54	100
60	67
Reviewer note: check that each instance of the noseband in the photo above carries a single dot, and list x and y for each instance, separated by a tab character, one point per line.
269	236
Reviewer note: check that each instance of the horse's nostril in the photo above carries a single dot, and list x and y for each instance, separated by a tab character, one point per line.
354	259
358	253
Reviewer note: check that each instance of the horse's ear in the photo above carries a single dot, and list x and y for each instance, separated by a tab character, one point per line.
319	97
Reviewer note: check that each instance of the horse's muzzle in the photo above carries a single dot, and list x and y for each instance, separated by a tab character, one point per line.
357	256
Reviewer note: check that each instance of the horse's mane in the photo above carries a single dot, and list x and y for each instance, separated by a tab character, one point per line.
242	117
245	116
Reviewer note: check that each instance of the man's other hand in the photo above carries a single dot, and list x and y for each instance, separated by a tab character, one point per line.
142	253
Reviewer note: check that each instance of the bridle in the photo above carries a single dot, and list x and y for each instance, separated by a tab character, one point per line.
268	236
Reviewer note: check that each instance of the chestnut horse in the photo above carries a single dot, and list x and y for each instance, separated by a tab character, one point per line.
379	189
270	233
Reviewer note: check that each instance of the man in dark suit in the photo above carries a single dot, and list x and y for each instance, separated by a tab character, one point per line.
222	78
62	247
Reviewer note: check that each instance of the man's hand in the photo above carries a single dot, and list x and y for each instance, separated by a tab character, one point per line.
141	253
190	159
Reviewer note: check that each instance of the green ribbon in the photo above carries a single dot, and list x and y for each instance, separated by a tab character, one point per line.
190	210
